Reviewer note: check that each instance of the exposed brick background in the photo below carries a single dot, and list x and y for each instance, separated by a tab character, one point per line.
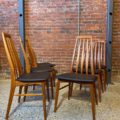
52	27
8	23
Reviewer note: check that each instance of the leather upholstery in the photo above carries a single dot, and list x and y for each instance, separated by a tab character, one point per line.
77	78
34	77
42	69
45	64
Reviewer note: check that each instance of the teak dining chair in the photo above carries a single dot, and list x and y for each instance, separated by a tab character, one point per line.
37	70
33	60
100	62
84	59
19	78
32	56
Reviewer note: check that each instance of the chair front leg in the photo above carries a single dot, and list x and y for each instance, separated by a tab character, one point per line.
25	91
20	91
57	94
51	85
12	90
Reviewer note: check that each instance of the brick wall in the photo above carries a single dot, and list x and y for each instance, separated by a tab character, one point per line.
52	27
8	23
116	39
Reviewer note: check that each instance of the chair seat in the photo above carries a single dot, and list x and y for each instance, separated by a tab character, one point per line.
42	69
77	78
46	65
34	77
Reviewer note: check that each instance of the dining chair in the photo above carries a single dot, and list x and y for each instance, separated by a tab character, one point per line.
97	72
37	69
35	64
21	79
100	62
84	59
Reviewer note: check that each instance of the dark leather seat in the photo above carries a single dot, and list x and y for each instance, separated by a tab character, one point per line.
76	78
46	65
34	77
42	69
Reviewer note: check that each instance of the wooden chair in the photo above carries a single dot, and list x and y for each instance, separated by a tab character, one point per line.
32	56
100	62
33	60
37	69
19	78
84	59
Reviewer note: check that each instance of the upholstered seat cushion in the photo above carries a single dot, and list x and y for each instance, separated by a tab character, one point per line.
34	77
45	65
42	69
77	78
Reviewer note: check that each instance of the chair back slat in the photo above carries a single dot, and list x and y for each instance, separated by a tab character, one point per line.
74	54
99	54
14	68
27	64
84	60
32	56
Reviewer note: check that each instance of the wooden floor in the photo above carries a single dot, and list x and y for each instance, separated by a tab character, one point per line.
78	108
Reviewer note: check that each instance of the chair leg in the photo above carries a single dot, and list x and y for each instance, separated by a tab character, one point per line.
54	76
20	91
69	91
51	85
12	90
44	100
99	87
25	91
57	94
96	97
92	94
33	87
105	79
101	80
80	86
48	95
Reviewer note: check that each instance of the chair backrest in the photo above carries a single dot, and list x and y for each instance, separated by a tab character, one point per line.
99	54
12	56
84	54
32	56
27	64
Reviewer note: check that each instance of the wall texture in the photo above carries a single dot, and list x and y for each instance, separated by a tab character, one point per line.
52	28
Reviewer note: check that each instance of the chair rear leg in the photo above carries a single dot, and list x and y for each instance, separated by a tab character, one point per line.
20	91
25	91
44	100
92	94
99	87
96	97
48	95
51	85
12	90
57	94
105	79
69	90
